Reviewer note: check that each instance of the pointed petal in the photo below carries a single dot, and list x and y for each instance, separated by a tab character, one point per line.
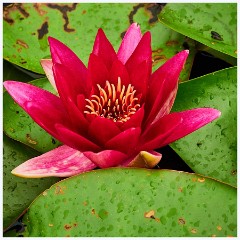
143	52
104	49
145	159
130	41
119	70
163	87
126	141
106	158
47	67
75	140
37	102
135	120
78	120
60	162
61	54
155	134
191	120
102	129
139	77
98	72
68	85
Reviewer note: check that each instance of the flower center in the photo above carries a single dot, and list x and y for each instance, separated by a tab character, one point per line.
118	103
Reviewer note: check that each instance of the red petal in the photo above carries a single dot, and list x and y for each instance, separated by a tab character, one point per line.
104	49
60	162
139	77
67	84
126	141
63	55
135	120
47	65
98	73
102	129
191	120
143	52
107	158
119	70
77	117
130	41
75	140
155	134
163	87
45	108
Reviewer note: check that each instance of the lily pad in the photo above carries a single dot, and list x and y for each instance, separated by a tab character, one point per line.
18	193
98	204
212	150
213	24
18	125
26	27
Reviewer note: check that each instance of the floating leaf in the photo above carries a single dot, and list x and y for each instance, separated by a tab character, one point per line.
18	193
26	27
213	24
212	150
18	125
134	203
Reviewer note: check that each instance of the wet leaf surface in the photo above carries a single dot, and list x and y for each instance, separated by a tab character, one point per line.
18	193
18	125
162	203
213	24
211	150
27	26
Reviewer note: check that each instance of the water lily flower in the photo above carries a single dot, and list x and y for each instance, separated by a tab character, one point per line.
111	113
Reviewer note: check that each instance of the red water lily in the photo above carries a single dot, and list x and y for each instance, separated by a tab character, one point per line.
108	113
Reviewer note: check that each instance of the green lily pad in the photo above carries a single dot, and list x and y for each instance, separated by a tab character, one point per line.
18	193
212	150
213	24
135	203
18	125
26	27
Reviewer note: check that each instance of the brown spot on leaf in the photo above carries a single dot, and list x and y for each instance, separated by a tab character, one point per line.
43	30
158	57
59	190
22	43
22	10
30	140
180	189
154	9
219	228
201	180
194	179
93	211
85	203
67	227
194	230
40	11
234	172
171	43
84	11
134	11
181	221
64	9
150	214
75	224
